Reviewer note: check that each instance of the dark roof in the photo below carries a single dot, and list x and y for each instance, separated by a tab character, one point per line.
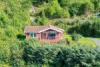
39	29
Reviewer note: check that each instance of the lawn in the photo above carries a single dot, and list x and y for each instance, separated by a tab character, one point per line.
87	41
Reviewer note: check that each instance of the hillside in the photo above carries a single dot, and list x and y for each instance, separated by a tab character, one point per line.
79	19
15	15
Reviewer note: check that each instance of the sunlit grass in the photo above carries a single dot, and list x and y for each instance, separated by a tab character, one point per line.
87	41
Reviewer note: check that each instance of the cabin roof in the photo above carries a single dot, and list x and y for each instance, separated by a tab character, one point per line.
38	29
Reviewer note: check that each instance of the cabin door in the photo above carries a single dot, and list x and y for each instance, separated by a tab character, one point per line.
43	35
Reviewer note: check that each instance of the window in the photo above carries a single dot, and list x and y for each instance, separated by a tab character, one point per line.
51	35
32	34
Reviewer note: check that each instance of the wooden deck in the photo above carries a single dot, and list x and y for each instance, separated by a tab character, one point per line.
50	41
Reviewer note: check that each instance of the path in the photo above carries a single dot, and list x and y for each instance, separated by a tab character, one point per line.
97	41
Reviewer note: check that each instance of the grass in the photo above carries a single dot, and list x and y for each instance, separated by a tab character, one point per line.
87	41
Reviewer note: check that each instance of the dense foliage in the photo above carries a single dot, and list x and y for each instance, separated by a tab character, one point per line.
16	14
13	17
27	55
15	51
81	56
90	27
66	8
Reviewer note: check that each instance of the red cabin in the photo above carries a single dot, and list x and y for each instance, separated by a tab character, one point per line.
48	33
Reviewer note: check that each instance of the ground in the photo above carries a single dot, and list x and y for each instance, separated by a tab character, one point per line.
97	41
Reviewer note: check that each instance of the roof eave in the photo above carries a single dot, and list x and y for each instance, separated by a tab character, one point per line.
61	30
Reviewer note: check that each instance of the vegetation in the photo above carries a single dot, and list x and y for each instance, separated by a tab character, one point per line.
76	17
50	56
88	28
62	56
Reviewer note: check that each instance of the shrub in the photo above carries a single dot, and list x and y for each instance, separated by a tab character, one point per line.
88	28
76	36
21	37
32	55
96	4
74	9
41	20
54	10
4	53
72	56
86	8
63	3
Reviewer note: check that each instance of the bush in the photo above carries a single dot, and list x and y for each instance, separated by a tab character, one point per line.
63	3
54	10
76	36
88	28
86	8
41	20
81	56
21	37
96	4
81	8
74	9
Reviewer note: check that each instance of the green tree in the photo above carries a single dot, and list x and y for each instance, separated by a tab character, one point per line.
74	9
96	4
86	8
54	10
